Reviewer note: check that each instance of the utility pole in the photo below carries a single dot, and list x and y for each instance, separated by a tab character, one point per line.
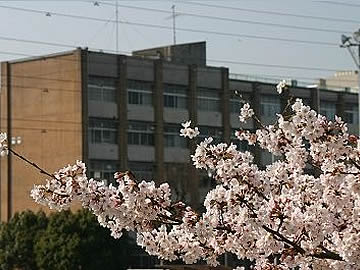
350	43
174	26
117	26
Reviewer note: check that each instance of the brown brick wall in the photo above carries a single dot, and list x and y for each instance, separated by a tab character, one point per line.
46	114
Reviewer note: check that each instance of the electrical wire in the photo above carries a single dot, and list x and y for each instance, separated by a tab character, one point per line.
339	3
157	26
267	12
297	27
209	60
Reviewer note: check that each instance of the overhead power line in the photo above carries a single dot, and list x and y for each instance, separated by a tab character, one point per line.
275	65
321	18
339	3
156	26
271	12
53	44
269	24
209	60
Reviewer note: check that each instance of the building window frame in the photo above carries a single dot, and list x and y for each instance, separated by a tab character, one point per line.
102	89
175	96
141	133
328	109
209	131
208	100
269	105
103	131
103	169
242	145
351	113
139	93
142	170
172	138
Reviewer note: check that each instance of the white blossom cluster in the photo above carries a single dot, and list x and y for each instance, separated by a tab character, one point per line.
301	211
245	112
3	144
281	86
189	132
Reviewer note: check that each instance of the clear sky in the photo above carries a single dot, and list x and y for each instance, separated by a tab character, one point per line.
248	32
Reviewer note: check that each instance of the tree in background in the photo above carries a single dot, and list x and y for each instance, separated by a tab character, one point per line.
60	241
18	238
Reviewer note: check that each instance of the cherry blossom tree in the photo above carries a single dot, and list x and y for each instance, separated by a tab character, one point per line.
303	210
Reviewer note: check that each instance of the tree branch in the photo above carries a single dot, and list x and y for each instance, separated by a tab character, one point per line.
31	163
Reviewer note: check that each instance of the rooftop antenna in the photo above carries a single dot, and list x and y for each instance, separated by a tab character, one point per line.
174	26
117	25
173	17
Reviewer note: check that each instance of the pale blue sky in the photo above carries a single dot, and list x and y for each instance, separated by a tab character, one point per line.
342	17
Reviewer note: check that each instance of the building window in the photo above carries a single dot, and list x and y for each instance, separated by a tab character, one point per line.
241	145
172	137
175	96
208	100
235	105
142	170
214	132
140	133
102	131
269	105
102	89
306	101
351	114
237	101
139	93
328	109
103	170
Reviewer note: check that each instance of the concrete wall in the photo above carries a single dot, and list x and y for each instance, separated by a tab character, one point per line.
46	113
100	64
102	109
140	69
175	74
209	118
104	151
140	113
176	154
176	116
209	77
141	153
241	86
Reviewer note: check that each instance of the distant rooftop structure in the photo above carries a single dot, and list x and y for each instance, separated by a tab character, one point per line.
345	79
186	53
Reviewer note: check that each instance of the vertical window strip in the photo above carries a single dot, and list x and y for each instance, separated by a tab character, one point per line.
172	137
141	133
102	131
139	93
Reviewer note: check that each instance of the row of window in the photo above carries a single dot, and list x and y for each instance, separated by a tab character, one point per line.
142	133
105	170
175	96
140	93
139	133
102	89
351	113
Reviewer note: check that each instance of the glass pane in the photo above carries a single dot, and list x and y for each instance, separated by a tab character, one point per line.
109	95
133	98
169	101
97	136
94	93
147	98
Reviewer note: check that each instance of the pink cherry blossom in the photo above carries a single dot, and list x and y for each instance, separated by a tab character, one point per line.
303	209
